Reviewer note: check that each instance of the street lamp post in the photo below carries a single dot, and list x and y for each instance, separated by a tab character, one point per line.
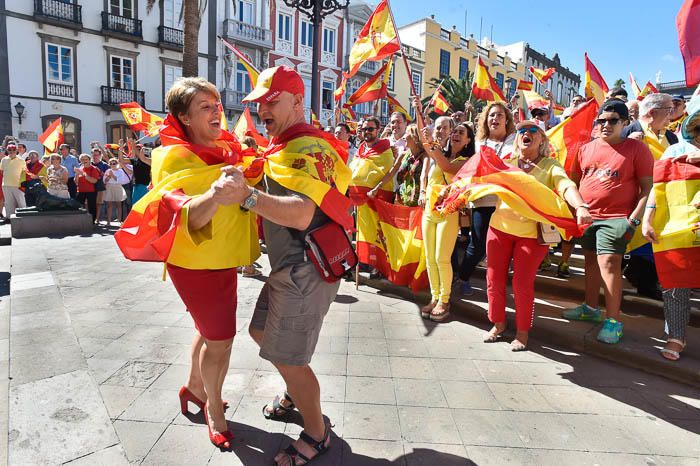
316	10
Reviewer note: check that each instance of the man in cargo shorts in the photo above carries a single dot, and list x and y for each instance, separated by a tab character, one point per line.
615	177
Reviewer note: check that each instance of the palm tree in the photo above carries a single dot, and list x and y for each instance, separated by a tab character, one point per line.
456	91
191	14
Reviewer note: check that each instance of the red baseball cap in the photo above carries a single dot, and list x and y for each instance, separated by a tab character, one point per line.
273	81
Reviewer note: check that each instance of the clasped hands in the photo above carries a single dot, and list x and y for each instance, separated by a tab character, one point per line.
231	187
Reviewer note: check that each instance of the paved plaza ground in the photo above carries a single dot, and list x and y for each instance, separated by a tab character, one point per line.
98	348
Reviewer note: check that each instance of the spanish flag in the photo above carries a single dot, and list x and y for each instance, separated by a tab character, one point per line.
534	100
484	86
595	86
439	103
156	229
315	122
139	119
486	173
395	106
648	88
311	162
542	75
635	87
52	137
245	127
253	72
567	137
524	85
340	92
377	39
368	167
375	88
389	239
677	223
348	114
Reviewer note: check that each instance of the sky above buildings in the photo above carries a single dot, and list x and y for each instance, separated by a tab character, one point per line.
620	36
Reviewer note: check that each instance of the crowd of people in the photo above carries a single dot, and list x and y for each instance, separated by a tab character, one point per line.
211	195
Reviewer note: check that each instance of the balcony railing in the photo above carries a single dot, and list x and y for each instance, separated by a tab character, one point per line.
59	90
231	99
113	96
59	11
240	31
121	25
171	37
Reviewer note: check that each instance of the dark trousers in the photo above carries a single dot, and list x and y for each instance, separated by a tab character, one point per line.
91	199
72	188
481	216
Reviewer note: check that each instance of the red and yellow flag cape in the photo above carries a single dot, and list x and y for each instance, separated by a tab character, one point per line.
677	224
389	239
156	229
309	161
369	166
485	173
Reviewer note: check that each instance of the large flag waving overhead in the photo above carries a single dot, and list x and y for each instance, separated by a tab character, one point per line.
689	40
375	88
397	107
677	223
486	173
139	119
596	87
253	72
439	102
377	39
52	137
542	75
573	132
484	86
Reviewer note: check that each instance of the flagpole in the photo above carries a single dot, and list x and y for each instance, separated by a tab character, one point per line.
405	61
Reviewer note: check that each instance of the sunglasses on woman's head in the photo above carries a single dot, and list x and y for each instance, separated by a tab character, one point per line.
529	129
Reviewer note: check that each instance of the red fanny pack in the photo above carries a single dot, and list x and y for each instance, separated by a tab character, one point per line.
330	250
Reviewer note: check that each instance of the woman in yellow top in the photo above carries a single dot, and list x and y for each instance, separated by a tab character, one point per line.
440	231
201	240
513	237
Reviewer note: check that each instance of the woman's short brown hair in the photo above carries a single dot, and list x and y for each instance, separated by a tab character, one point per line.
180	96
482	131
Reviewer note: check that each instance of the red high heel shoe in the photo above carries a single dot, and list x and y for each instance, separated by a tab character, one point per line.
186	395
221	440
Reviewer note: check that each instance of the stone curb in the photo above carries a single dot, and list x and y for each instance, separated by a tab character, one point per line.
584	342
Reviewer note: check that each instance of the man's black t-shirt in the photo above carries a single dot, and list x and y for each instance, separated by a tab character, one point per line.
142	172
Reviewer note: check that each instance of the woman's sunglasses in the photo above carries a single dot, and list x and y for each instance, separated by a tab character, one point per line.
529	129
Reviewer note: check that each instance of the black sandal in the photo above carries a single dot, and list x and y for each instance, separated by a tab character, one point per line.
278	411
320	447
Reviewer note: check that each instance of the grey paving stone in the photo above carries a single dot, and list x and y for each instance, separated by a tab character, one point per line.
111	456
181	445
35	362
250	447
332	387
102	369
365	306
368	366
368	346
574	399
411	368
470	395
402	332
57	419
519	397
265	385
369	330
145	333
137	374
153	406
544	430
371	422
248	416
364	317
428	425
485	427
621	433
333	329
429	454
359	452
501	371
373	390
407	348
329	364
415	392
117	398
456	369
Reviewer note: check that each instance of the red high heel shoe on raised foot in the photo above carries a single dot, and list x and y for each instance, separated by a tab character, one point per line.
221	440
186	395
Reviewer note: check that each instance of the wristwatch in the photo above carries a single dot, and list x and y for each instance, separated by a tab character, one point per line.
585	206
634	221
250	201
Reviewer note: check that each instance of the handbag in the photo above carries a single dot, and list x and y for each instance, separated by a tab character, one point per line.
465	218
329	248
547	234
100	185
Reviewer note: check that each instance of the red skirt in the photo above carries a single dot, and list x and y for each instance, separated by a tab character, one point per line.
210	297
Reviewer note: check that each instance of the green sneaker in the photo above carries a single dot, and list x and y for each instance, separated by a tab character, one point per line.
611	332
583	312
546	263
563	270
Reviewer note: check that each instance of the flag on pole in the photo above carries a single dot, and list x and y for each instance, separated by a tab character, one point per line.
223	123
542	75
677	222
315	121
397	107
439	103
533	100
253	72
139	119
635	87
595	86
524	85
689	40
375	88
573	132
649	88
245	127
348	113
484	86
377	39
52	137
340	92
